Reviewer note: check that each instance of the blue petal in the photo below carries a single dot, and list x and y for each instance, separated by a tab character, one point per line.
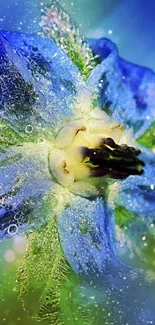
126	90
25	186
127	293
87	235
137	193
38	83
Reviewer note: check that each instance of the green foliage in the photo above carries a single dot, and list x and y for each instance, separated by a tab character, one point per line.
43	269
58	25
123	216
148	251
8	136
48	286
148	138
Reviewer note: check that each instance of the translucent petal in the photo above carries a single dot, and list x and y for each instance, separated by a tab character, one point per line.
137	193
137	214
124	90
87	234
38	83
126	294
25	189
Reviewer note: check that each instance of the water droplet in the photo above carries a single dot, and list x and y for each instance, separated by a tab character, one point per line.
29	128
143	237
12	229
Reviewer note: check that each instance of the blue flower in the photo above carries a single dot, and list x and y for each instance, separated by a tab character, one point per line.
68	146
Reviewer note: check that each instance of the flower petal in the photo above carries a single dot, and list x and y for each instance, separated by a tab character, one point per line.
87	234
126	294
25	189
137	193
38	83
137	214
125	90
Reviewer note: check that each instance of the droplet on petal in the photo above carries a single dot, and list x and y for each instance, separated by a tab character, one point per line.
29	129
12	229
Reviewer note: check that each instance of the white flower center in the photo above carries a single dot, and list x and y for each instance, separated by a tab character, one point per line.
67	163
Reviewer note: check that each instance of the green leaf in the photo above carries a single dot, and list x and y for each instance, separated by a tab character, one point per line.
148	138
48	286
44	267
8	136
148	251
123	216
59	26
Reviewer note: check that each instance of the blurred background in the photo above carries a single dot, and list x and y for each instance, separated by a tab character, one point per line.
129	23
